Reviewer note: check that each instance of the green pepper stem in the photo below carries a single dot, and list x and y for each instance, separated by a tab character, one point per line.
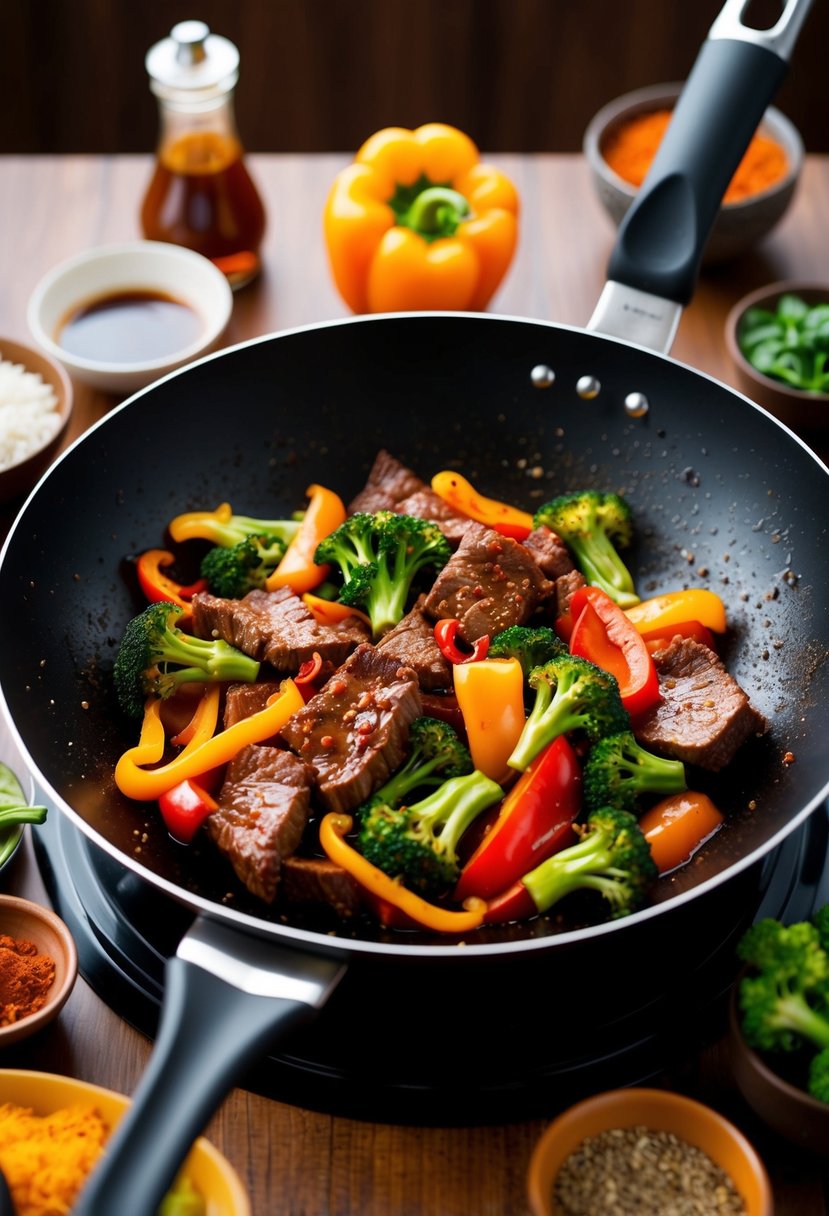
436	211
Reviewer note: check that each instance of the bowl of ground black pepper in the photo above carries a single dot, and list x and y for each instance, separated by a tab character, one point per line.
38	967
629	1152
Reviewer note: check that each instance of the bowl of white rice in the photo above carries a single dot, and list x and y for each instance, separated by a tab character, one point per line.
35	407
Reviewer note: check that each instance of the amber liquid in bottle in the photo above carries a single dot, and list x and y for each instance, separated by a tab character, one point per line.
202	196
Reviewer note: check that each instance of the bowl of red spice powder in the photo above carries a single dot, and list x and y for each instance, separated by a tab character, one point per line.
38	967
622	139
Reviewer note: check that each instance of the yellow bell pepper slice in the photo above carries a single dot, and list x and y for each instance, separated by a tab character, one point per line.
333	830
460	494
199	524
418	222
677	607
297	570
205	750
490	696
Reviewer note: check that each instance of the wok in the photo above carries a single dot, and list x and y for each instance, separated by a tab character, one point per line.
722	494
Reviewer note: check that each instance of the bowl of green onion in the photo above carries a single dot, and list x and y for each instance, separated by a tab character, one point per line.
15	813
778	340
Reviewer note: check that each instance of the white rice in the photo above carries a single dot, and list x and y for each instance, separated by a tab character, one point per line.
28	413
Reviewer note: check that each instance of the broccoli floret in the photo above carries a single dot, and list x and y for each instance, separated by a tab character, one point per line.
594	526
380	555
532	646
784	1000
618	770
436	753
820	920
612	857
155	657
818	1081
571	693
418	843
232	572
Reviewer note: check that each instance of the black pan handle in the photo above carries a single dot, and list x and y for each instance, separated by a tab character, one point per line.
737	72
228	995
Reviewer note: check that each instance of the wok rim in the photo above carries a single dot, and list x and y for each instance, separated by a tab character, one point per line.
323	943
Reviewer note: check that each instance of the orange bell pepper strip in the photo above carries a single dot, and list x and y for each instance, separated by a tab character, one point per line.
490	694
464	498
159	587
201	754
297	570
677	607
379	885
677	826
331	612
604	635
418	222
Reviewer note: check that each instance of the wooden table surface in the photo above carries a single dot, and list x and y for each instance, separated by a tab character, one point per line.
297	1162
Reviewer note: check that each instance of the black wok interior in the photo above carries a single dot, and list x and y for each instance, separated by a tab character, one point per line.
722	497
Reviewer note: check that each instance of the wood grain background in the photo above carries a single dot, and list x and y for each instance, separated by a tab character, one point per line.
322	75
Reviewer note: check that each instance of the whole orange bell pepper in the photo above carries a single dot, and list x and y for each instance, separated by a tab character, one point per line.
418	222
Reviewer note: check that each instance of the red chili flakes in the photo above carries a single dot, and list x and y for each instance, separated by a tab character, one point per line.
338	687
788	757
327	741
495	546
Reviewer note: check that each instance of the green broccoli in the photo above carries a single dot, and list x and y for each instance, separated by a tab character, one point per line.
531	645
380	555
436	753
618	770
155	657
418	843
232	572
594	526
230	531
820	920
571	693
612	857
818	1078
784	1000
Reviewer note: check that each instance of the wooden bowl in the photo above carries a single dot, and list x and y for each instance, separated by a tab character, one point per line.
210	1172
27	921
658	1110
791	1112
800	410
18	478
738	225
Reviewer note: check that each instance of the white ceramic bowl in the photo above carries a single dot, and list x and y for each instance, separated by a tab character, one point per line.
135	266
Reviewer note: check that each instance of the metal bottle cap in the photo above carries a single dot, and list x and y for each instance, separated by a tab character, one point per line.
192	64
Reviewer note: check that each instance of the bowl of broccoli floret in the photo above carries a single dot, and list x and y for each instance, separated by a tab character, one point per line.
779	1027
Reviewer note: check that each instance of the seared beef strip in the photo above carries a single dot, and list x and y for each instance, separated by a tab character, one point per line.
242	700
566	587
275	627
704	716
412	644
550	551
426	504
389	482
263	810
491	582
355	730
317	880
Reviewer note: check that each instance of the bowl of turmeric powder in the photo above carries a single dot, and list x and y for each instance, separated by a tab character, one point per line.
38	967
621	141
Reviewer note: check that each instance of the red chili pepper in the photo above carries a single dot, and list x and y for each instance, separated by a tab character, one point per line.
307	676
185	808
535	820
158	587
446	633
604	635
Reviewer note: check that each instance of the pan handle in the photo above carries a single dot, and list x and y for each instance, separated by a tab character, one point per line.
661	239
228	995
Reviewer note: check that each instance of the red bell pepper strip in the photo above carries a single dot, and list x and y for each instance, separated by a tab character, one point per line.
158	587
184	809
604	635
535	821
446	633
464	498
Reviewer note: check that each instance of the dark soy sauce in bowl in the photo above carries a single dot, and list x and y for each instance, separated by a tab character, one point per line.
137	326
